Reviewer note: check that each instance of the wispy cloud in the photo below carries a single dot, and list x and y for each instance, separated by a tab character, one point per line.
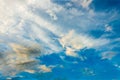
73	42
23	32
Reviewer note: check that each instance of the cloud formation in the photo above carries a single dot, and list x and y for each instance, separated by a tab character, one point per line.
31	28
73	42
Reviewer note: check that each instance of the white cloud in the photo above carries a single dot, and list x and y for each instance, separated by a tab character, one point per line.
86	3
73	42
108	28
79	41
83	3
30	71
16	56
108	55
71	52
44	68
21	52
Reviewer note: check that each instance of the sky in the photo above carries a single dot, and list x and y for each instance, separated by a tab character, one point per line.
59	39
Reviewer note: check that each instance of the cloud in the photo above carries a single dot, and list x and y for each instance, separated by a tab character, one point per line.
16	56
86	3
71	52
19	30
108	28
30	71
20	56
73	42
83	3
108	55
44	68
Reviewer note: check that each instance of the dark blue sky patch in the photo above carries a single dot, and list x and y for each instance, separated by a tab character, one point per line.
116	59
116	26
52	59
105	5
96	33
61	2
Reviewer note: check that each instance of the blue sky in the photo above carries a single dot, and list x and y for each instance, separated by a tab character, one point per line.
59	39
